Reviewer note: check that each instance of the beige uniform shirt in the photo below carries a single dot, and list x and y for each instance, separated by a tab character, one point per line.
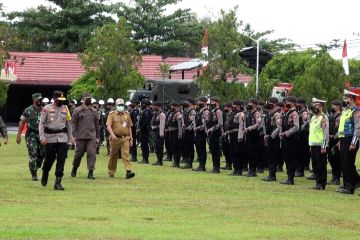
55	118
119	123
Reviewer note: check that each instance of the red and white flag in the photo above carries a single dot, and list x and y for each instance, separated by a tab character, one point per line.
345	59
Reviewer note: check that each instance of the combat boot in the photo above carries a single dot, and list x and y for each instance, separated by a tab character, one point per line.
73	172
251	174
34	175
289	181
91	175
129	174
318	187
44	178
57	185
226	167
200	169
144	161
158	163
269	179
334	181
175	165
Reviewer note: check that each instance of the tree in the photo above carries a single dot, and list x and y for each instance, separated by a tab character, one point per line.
3	56
88	83
111	56
65	28
354	72
155	32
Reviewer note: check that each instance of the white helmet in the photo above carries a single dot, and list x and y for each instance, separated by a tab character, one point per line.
93	100
52	100
127	103
110	100
101	102
75	101
45	100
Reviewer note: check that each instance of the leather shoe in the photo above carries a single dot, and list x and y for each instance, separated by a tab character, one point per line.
311	177
129	175
199	169
158	163
288	182
269	179
345	191
334	181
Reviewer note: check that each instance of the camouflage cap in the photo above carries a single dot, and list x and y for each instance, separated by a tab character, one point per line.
36	96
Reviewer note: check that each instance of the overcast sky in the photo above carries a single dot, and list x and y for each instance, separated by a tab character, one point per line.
306	22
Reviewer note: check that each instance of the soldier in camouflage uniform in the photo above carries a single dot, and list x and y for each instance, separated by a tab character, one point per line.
31	116
3	131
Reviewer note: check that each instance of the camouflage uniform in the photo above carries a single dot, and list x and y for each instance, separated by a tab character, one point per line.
35	149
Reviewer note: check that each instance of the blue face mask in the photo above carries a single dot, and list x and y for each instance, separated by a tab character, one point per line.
120	108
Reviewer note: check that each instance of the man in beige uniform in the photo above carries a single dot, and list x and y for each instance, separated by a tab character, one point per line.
55	132
119	126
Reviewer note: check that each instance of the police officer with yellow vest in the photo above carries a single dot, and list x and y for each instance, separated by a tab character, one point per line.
55	132
349	134
318	142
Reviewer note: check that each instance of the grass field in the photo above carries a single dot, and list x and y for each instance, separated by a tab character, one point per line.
166	203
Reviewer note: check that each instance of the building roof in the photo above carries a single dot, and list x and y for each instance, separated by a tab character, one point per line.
63	68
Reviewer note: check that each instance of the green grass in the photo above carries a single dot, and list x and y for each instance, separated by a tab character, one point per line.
166	203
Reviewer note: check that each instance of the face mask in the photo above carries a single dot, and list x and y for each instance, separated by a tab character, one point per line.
38	103
288	105
87	102
59	103
213	106
249	107
201	105
120	108
298	107
271	106
226	110
173	109
345	104
316	110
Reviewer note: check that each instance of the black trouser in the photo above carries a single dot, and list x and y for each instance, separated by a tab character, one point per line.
334	158
176	145
282	154
133	149
319	164
237	152
225	145
290	155
261	163
188	141
200	143
56	151
144	140
214	145
252	147
274	155
303	151
169	153
350	176
159	146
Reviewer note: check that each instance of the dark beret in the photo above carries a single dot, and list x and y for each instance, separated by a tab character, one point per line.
281	104
157	103
273	100
175	104
191	100
215	99
253	101
291	99
228	104
301	101
238	102
203	99
337	103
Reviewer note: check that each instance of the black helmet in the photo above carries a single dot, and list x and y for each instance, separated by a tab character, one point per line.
145	102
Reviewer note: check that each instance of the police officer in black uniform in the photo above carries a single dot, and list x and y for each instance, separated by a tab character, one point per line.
167	136
252	123
334	152
175	131
158	128
271	138
225	145
135	116
189	125
144	129
214	126
201	117
303	150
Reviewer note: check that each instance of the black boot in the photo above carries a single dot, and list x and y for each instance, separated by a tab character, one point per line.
226	167
144	161
175	165
200	169
251	174
57	185
34	175
318	187
270	179
311	177
73	172
334	181
289	181
91	175
44	178
158	163
129	174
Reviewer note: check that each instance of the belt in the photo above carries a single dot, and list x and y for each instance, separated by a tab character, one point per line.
154	127
54	131
231	131
172	129
123	136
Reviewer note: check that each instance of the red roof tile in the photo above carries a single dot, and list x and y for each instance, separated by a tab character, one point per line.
64	68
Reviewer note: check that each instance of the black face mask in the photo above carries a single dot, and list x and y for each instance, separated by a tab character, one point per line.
201	105
288	105
213	106
298	107
59	103
345	104
249	107
172	109
271	106
316	110
87	102
226	110
333	110
38	103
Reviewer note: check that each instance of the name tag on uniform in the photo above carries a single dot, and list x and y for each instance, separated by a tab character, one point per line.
124	124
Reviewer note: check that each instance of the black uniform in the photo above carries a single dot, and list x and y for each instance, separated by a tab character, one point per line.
225	144
135	115
303	150
144	126
252	142
334	153
236	143
175	132
169	153
188	151
214	138
159	140
200	139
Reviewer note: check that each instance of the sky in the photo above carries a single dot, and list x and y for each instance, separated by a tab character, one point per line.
305	22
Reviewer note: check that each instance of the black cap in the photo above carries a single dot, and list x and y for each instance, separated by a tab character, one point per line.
281	104
337	103
59	95
145	101
135	101
175	104
291	99
253	101
301	101
157	103
203	99
238	102
228	104
273	100
191	100
215	99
